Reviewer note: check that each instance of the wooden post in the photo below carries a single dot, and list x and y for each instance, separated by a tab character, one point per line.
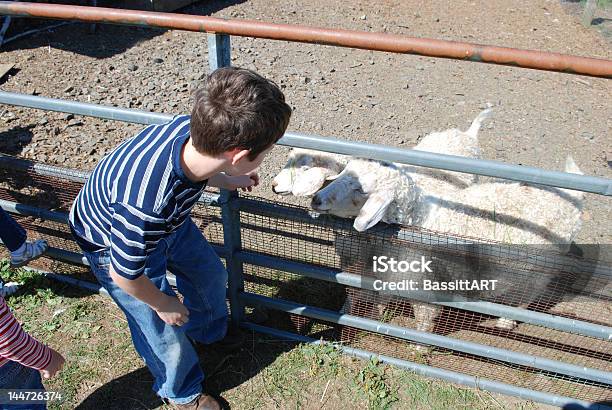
589	12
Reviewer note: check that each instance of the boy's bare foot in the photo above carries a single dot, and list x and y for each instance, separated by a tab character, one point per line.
202	402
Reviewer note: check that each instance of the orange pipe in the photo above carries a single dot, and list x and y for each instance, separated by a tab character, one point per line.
305	34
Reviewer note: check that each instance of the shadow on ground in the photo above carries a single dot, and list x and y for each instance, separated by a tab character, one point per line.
224	372
13	140
105	41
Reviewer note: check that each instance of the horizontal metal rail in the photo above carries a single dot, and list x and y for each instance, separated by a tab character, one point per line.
393	43
75	258
30	210
81	108
364	282
74	175
344	278
63	255
597	185
446	342
566	403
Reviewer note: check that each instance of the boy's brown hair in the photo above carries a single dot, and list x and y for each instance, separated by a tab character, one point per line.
238	108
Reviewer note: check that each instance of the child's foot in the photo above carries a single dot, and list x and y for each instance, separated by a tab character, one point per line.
8	288
202	402
28	252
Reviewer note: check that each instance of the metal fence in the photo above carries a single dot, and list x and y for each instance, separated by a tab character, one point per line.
281	259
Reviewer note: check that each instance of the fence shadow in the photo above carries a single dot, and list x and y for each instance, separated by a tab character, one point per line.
14	139
600	20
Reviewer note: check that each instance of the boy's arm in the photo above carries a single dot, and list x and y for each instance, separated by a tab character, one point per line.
134	235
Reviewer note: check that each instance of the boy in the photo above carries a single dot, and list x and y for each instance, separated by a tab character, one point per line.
132	221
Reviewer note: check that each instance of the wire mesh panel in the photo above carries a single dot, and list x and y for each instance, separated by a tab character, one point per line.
26	186
539	278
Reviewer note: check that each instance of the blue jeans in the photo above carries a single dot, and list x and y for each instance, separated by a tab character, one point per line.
11	233
17	376
201	278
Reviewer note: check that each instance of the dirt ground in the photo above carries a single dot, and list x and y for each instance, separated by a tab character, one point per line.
540	117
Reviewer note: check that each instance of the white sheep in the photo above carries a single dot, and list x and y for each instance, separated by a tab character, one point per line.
449	142
307	170
507	212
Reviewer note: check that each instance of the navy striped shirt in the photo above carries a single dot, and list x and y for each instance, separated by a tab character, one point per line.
135	196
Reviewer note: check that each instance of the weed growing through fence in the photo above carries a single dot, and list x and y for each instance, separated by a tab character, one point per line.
372	382
323	359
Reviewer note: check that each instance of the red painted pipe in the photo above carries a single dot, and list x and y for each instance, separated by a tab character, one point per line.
344	38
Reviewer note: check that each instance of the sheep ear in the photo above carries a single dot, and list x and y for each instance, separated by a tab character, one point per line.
373	210
331	176
310	181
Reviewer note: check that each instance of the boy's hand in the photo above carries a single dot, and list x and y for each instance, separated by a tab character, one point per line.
172	311
245	182
54	366
167	307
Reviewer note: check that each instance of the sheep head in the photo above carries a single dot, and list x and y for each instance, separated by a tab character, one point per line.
369	190
306	171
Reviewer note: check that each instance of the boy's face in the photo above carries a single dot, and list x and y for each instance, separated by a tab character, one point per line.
243	165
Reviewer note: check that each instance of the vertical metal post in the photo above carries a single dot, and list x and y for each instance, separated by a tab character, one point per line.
589	12
230	216
5	25
219	51
219	55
